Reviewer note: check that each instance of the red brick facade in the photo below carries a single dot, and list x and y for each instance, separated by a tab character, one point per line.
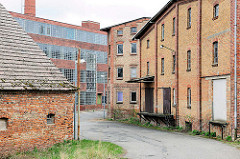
127	60
27	112
199	39
30	7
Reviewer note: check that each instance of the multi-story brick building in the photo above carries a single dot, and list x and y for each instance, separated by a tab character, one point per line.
123	55
36	100
60	42
187	51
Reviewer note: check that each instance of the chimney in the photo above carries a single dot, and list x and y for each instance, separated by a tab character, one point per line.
30	7
91	25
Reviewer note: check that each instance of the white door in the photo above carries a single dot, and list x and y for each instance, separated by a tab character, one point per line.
219	100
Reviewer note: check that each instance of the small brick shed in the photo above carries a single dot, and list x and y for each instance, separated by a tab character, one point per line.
36	100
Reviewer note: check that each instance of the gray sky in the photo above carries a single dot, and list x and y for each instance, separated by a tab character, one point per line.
107	12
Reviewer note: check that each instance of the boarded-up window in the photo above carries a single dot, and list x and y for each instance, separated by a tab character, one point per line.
3	123
219	100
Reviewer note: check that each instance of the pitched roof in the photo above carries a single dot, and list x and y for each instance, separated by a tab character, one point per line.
108	28
154	19
23	66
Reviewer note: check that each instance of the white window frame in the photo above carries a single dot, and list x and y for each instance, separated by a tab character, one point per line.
117	72
131	73
132	101
119	53
118	96
132	48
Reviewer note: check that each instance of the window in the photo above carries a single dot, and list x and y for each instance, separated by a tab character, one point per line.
3	123
109	49
50	118
148	43
189	60
174	25
189	97
133	72
162	66
133	48
42	29
120	49
147	68
174	97
189	18
119	97
120	72
174	64
120	32
109	72
133	30
133	97
162	32
69	74
48	31
216	11
215	53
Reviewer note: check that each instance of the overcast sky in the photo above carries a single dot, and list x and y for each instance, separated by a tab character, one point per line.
107	12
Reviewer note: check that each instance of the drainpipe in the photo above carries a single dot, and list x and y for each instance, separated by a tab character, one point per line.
235	71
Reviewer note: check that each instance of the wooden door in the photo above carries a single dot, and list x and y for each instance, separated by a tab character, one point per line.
149	100
166	101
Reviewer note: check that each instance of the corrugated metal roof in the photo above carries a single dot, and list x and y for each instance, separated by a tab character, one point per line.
23	66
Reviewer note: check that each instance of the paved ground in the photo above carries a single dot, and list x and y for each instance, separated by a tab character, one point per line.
141	143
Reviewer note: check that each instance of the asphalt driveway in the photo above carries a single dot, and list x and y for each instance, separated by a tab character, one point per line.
141	143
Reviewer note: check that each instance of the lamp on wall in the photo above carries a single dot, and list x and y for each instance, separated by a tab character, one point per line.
163	46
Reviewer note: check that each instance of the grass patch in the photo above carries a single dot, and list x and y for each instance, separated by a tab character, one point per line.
135	121
84	149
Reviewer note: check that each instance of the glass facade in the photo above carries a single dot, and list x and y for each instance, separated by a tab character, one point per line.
90	76
69	53
62	32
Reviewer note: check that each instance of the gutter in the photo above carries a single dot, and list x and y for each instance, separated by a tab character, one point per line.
235	70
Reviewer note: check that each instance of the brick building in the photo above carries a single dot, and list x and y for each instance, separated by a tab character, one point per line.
187	65
36	100
60	42
123	65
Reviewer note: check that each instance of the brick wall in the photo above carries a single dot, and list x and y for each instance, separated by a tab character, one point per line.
27	119
199	39
127	60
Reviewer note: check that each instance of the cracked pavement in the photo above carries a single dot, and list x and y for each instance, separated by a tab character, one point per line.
143	143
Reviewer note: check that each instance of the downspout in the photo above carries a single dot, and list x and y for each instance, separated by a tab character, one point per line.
156	79
140	75
200	64
235	70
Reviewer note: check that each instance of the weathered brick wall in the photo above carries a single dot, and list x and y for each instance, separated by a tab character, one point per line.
27	119
127	60
199	39
215	30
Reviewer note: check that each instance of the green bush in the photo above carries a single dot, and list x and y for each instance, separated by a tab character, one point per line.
202	133
229	138
196	132
213	134
207	134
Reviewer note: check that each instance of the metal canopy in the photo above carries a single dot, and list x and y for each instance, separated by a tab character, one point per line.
147	79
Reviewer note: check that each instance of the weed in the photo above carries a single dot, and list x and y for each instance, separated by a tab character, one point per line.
213	134
202	133
229	138
207	134
84	149
196	132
